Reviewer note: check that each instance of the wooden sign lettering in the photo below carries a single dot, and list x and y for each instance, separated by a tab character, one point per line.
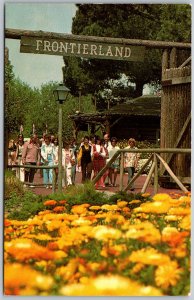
81	49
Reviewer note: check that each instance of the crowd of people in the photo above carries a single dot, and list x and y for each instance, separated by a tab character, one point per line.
89	157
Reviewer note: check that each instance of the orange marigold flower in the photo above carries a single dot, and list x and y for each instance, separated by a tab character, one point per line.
59	209
145	195
24	249
7	222
176	238
52	246
50	202
62	201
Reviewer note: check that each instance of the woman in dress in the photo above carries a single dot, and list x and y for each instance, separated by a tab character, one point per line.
19	149
98	158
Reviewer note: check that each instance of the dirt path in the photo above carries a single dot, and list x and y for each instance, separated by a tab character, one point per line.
138	186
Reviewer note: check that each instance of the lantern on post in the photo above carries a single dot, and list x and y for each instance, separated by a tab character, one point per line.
60	94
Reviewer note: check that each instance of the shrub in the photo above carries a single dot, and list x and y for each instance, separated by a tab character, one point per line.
12	183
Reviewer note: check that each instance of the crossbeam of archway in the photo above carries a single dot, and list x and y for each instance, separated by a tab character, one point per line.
18	33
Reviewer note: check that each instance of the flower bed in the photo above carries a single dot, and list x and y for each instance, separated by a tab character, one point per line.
125	249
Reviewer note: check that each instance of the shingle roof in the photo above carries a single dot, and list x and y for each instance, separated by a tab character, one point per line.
145	105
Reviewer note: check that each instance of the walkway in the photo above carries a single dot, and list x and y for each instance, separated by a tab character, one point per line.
138	186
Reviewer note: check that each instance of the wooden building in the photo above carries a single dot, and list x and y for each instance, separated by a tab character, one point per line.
138	118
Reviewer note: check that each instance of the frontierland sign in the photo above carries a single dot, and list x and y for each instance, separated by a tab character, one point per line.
85	49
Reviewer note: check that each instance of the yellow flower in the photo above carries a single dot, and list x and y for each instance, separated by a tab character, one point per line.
79	209
110	207
104	233
122	204
60	254
171	218
109	285
161	197
180	211
156	207
69	270
21	276
137	268
168	274
186	223
149	256
95	207
53	225
146	195
114	217
144	231
134	201
81	222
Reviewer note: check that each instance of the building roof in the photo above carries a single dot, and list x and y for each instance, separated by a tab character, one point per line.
145	105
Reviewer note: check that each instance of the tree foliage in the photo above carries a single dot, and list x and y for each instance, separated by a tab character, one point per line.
171	22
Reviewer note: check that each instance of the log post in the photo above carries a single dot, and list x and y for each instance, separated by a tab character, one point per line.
121	171
173	58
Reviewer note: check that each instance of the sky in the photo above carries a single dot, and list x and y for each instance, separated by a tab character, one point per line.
37	69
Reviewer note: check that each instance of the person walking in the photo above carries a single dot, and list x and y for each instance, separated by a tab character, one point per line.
68	160
31	156
98	158
74	148
85	159
131	161
48	157
19	149
113	170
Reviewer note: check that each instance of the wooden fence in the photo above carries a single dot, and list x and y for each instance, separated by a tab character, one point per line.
154	170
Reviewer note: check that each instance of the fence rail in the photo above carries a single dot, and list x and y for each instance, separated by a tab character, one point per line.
153	172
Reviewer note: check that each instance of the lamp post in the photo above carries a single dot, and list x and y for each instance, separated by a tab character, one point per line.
60	94
80	91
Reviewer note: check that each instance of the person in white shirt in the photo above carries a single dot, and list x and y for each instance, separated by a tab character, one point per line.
131	161
113	170
48	157
19	149
68	159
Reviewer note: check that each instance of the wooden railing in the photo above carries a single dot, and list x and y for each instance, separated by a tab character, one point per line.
153	172
54	167
154	169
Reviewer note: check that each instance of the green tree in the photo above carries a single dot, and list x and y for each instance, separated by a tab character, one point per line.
134	21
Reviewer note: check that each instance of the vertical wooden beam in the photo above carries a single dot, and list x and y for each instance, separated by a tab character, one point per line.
165	64
155	175
121	171
54	180
173	58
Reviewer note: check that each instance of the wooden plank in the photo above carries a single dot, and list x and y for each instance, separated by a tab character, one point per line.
70	47
146	183
18	33
138	173
178	140
182	187
178	80
185	62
